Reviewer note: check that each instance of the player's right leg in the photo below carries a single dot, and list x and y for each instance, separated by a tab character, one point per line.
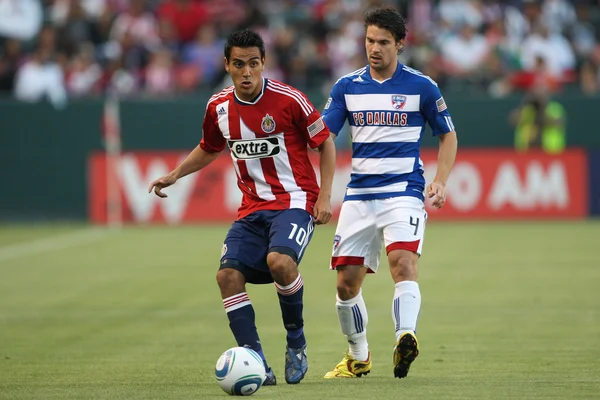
404	225
356	250
289	234
243	249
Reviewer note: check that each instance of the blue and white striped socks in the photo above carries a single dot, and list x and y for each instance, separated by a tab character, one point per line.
406	307
353	318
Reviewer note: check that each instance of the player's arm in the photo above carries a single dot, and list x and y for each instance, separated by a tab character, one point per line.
327	169
195	161
318	136
446	156
334	113
440	121
207	151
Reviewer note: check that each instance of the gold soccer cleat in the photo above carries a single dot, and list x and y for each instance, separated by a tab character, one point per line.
350	368
405	352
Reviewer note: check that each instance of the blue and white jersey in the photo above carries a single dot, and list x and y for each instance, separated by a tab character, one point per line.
387	120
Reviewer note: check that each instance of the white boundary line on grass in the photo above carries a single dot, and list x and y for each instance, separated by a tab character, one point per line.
60	242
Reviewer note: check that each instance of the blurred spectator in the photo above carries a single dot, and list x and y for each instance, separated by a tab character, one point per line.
272	69
205	53
420	18
540	123
186	17
167	35
519	21
229	13
41	77
137	26
344	45
552	47
160	79
120	80
465	54
582	32
460	12
590	72
538	78
489	46
84	74
9	64
92	9
76	28
558	15
20	19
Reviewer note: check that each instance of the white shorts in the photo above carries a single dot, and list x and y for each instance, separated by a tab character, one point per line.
399	221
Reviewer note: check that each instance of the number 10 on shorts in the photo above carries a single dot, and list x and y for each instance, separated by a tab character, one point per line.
298	233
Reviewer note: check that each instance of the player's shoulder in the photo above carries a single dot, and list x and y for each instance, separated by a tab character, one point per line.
415	76
279	88
286	94
220	97
352	77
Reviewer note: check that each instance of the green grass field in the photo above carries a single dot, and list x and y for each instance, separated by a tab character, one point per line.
510	310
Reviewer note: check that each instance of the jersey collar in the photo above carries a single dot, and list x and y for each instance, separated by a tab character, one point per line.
397	73
254	100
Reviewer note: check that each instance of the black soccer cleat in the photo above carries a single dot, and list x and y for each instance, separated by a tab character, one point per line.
405	352
270	379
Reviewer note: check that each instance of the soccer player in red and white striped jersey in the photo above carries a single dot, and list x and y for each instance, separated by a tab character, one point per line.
268	127
267	138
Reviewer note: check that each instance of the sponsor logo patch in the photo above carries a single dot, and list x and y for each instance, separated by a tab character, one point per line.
254	148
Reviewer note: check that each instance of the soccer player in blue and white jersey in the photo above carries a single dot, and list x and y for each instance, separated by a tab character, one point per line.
387	105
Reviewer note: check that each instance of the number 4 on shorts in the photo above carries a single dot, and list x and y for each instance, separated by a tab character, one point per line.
415	222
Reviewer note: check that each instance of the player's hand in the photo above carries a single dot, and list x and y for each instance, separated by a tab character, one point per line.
160	184
322	210
438	192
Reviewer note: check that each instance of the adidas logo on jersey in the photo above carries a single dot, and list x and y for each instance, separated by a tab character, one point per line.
359	79
221	111
254	148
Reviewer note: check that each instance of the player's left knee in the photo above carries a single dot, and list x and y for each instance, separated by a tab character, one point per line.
282	266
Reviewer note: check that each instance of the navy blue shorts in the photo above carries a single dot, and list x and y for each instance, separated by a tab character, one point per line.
251	238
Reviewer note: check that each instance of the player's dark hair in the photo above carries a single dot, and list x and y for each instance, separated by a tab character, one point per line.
389	19
244	38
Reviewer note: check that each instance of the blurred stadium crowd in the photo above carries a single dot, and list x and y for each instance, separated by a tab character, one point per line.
74	48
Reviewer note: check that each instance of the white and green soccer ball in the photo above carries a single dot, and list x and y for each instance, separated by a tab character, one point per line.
240	371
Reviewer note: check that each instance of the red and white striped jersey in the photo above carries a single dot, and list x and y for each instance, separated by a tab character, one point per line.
267	140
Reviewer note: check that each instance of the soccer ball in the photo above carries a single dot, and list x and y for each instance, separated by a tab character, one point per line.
240	371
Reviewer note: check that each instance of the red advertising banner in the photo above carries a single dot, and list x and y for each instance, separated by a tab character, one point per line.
484	184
